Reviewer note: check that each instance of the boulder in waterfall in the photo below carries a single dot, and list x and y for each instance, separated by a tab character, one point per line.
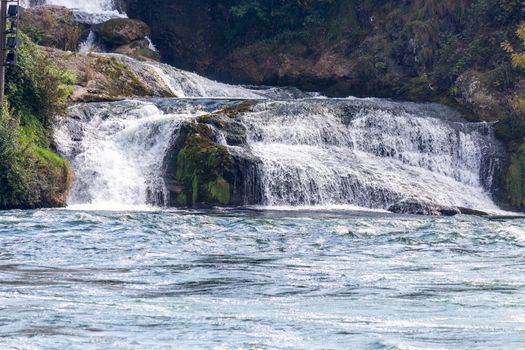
108	78
418	207
206	165
121	31
139	49
53	26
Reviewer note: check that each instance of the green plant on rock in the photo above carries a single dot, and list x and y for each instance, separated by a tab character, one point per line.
35	84
516	178
201	169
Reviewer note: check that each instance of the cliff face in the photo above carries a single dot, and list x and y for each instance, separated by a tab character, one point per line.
410	49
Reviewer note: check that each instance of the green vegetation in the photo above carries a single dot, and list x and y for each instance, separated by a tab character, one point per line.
516	178
31	174
201	169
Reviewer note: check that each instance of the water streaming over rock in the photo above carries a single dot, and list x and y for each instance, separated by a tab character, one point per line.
370	153
116	150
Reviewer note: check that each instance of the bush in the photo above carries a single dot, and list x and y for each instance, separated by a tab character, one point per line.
15	168
35	84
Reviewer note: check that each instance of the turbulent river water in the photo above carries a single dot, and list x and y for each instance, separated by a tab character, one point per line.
229	279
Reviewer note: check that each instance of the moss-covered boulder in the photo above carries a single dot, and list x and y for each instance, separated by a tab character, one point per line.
200	168
121	31
53	26
516	178
210	163
108	78
139	49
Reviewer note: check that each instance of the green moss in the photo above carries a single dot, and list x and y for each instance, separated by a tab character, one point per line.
219	190
201	169
516	178
182	199
125	81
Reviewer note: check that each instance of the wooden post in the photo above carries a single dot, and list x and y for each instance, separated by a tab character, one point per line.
3	28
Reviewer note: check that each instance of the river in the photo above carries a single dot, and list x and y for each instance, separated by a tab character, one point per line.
259	279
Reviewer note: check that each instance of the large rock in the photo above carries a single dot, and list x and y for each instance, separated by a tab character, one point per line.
516	179
417	207
53	26
201	171
108	78
121	31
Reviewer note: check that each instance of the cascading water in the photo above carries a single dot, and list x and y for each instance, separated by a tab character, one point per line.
370	153
116	150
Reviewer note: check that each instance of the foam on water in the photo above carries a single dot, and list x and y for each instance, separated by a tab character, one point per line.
370	153
116	152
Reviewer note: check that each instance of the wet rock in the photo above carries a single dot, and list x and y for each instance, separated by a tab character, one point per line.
416	207
138	49
210	163
121	31
53	26
473	212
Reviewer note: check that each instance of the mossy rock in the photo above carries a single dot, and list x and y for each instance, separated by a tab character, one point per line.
53	26
516	178
31	174
121	31
201	167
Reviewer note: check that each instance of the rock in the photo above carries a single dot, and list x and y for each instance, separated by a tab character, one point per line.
474	212
515	179
106	78
52	26
202	172
138	49
416	207
473	92
121	31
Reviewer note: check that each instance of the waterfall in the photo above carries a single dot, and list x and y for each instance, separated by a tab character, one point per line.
91	6
116	151
311	152
371	153
89	12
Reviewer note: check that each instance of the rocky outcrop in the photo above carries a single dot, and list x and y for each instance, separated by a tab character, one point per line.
417	207
103	77
59	27
516	178
202	171
121	31
53	26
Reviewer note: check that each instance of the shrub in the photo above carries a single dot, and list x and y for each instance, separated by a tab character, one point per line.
35	84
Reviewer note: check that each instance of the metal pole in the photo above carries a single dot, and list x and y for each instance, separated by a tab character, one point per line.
3	25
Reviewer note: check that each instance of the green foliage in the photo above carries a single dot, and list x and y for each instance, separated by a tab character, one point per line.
516	178
37	86
518	57
15	168
201	167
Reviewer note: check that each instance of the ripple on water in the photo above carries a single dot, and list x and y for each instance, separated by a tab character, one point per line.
259	279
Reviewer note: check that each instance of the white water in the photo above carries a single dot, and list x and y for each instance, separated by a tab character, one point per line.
312	153
379	156
87	11
91	6
323	153
117	152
